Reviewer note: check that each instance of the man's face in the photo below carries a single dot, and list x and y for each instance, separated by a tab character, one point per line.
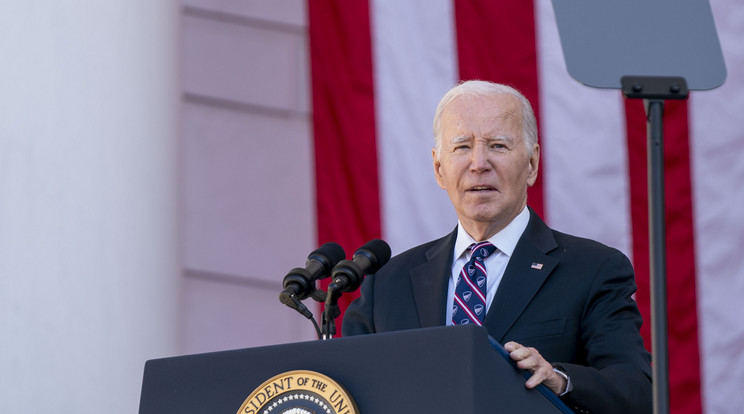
483	163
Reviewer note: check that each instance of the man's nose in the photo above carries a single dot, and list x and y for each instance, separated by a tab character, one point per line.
479	158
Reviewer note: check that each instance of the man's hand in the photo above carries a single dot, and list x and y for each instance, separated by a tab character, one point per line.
542	370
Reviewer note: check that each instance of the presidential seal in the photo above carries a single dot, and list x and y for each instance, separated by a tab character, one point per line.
299	392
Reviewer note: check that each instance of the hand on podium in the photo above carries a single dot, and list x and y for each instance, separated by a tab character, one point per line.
529	359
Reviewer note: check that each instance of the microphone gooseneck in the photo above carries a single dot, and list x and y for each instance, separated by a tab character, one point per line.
299	283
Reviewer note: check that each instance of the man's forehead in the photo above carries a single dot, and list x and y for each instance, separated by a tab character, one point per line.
492	110
506	102
485	124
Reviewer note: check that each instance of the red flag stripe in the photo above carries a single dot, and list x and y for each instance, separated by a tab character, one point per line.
684	360
347	187
496	41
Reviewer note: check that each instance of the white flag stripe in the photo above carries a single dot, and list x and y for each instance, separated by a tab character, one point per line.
717	148
415	64
584	155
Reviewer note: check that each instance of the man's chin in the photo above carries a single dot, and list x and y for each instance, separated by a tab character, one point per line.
486	216
491	214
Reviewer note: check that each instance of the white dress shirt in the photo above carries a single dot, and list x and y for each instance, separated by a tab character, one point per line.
505	242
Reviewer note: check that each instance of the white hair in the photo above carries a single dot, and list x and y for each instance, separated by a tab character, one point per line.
487	89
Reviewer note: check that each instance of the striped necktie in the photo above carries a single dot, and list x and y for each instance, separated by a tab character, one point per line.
470	292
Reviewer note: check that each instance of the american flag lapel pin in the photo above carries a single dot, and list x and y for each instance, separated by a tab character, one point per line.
537	266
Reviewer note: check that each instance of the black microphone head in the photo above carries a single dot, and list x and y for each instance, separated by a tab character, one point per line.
329	254
378	253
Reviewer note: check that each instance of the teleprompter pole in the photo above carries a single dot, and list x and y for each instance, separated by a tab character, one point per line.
657	256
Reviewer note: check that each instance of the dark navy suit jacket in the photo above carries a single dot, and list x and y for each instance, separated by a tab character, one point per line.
568	297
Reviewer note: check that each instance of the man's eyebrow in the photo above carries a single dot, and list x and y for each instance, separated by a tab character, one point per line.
459	140
500	138
464	139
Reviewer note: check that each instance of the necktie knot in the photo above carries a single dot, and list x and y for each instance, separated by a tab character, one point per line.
481	250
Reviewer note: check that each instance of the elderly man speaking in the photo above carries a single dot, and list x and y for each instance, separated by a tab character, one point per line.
561	305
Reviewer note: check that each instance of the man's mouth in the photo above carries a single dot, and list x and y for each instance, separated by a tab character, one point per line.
482	188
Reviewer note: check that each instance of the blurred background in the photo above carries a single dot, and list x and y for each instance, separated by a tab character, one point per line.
158	165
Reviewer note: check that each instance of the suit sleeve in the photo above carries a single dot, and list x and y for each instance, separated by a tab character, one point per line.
358	318
618	376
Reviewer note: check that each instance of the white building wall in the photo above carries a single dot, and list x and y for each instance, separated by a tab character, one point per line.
89	267
248	189
156	184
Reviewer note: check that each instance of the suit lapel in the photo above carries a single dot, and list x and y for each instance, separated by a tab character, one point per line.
526	272
429	282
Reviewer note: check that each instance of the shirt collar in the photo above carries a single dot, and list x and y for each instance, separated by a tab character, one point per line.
505	240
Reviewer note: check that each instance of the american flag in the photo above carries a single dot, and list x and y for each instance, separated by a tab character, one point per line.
379	68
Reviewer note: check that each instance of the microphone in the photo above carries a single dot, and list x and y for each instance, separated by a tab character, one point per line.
347	275
299	283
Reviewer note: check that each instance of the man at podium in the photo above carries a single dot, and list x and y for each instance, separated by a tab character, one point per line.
561	305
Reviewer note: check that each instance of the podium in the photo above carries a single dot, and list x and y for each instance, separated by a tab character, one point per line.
454	369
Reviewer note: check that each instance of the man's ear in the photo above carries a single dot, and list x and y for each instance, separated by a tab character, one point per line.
437	168
533	165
